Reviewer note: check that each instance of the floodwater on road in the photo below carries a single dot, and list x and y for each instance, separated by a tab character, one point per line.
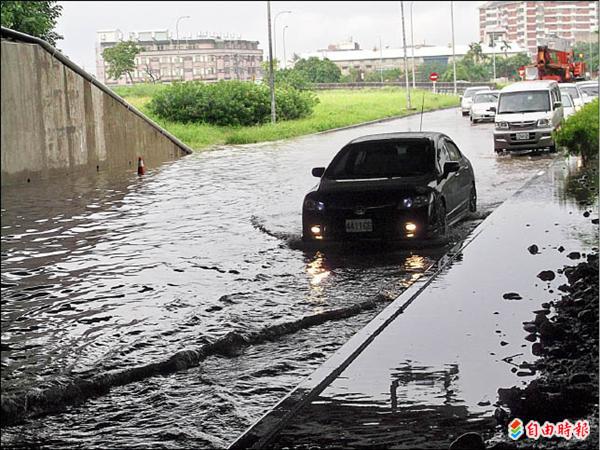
112	274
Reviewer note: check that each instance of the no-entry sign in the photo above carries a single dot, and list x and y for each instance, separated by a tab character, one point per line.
433	76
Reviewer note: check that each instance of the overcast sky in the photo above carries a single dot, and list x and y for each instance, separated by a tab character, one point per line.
311	25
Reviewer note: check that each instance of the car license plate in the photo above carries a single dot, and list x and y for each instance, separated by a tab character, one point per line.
359	225
522	136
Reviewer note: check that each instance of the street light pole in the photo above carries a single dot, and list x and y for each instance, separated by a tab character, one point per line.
494	54
408	105
412	46
453	51
177	35
380	61
271	74
275	31
284	55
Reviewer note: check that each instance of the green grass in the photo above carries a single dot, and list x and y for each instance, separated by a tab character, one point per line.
336	108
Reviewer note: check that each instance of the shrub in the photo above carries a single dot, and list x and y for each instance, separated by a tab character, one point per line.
579	133
229	103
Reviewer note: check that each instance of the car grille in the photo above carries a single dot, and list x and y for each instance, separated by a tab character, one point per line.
525	125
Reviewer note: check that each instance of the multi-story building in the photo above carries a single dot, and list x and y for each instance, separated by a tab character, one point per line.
530	23
165	59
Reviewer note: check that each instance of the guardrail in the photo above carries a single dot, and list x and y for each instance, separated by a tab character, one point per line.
440	87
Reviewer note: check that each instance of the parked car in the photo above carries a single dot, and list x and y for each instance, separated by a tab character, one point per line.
467	98
393	186
589	90
483	106
573	90
568	106
527	113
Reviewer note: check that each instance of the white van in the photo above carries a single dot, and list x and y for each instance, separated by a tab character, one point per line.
527	113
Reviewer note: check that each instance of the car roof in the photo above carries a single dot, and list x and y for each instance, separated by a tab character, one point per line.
400	135
534	85
478	88
562	85
487	92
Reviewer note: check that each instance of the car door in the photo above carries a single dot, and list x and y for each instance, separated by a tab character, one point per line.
449	186
462	178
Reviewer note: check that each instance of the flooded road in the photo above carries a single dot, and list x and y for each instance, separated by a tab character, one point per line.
113	274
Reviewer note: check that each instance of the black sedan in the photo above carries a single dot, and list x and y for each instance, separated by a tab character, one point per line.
393	186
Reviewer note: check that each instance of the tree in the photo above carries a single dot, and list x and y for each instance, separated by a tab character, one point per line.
121	59
35	18
319	70
505	47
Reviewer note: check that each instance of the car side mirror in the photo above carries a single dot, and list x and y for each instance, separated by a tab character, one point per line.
493	109
318	172
557	105
450	167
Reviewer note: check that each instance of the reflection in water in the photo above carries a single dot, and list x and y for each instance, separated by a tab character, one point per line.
316	270
424	410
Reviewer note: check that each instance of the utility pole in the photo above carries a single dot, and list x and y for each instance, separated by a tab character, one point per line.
408	105
271	74
380	61
493	53
284	54
412	46
177	36
453	51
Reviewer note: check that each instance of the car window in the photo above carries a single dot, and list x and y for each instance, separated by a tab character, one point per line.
590	90
485	98
526	101
383	159
571	90
443	156
566	100
453	151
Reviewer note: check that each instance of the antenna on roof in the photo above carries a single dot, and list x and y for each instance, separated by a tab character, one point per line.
422	106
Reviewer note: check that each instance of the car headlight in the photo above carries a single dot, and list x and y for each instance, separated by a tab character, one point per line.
542	123
313	205
501	125
414	202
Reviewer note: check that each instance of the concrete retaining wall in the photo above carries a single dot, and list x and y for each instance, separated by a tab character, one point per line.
57	121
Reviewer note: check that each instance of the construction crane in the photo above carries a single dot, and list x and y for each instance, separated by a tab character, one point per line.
558	65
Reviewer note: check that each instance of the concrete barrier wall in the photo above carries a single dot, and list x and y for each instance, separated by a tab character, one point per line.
56	122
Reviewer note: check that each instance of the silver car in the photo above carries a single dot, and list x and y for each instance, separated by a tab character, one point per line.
483	106
467	98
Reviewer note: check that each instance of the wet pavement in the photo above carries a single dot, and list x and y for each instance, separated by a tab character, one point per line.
116	273
432	374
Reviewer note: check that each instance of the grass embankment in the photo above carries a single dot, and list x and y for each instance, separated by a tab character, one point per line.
336	108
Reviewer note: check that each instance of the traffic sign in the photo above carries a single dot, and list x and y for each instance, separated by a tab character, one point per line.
433	76
521	72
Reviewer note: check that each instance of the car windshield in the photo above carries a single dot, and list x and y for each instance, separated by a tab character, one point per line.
383	159
485	98
522	102
567	101
572	91
589	90
470	92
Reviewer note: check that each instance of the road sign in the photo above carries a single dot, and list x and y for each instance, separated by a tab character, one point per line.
521	72
433	76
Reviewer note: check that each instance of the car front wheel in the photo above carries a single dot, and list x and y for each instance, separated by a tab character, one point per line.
441	221
473	200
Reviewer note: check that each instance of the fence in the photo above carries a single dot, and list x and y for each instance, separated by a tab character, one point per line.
441	87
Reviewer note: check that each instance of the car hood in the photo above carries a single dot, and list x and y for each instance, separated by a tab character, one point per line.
373	191
483	106
523	117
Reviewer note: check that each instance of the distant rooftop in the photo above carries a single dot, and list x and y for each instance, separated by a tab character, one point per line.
393	53
116	35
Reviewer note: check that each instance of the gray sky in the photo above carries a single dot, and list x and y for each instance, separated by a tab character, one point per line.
311	26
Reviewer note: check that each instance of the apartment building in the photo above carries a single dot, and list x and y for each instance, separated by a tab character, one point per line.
531	23
206	57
